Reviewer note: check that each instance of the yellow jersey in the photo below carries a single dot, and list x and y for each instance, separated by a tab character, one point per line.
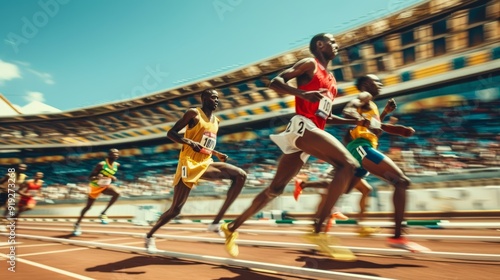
371	114
18	181
193	164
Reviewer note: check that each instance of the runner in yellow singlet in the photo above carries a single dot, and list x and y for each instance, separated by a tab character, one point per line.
15	179
364	148
195	162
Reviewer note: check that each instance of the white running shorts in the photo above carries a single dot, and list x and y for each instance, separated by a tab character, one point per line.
295	129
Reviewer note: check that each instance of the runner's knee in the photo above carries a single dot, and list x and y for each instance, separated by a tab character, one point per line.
353	164
403	182
273	192
241	175
350	166
174	211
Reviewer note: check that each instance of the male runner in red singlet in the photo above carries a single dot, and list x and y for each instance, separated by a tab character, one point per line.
305	136
28	191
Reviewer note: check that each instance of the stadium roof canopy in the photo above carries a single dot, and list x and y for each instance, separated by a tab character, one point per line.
150	115
6	108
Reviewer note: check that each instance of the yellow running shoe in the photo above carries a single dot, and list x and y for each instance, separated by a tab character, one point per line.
231	246
330	247
367	231
104	219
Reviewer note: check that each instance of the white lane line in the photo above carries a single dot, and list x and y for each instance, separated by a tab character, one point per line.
6	244
52	252
79	249
75	249
34	245
218	260
62	251
358	250
50	268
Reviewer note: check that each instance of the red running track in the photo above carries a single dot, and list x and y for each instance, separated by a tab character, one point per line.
46	260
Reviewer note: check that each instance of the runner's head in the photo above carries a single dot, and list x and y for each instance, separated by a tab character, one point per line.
324	45
210	99
369	83
114	154
21	168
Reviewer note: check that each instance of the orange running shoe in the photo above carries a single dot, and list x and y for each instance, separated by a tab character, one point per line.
339	216
405	244
298	189
333	217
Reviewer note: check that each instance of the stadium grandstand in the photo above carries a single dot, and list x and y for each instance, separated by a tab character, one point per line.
439	60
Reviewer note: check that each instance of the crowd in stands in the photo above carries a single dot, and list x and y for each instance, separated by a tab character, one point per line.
448	139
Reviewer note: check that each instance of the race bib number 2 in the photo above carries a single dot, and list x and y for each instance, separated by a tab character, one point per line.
324	108
297	126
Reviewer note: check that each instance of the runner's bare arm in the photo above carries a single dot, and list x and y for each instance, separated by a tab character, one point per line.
22	189
94	175
351	109
397	129
187	119
389	108
305	66
222	157
334	119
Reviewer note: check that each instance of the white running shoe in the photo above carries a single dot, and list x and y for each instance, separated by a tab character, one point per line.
104	219
150	245
216	228
77	231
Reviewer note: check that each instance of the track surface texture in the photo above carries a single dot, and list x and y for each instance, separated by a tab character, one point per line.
39	259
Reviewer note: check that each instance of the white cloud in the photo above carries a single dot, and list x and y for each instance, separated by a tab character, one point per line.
23	63
34	96
8	71
46	77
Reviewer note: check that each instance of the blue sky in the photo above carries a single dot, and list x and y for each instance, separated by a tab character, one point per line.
78	53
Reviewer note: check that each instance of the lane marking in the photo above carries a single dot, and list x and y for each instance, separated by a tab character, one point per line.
60	251
294	270
69	250
52	252
50	268
35	245
7	244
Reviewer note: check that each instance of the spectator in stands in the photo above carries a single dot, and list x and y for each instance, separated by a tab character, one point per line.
195	162
101	178
29	190
17	178
363	148
305	136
